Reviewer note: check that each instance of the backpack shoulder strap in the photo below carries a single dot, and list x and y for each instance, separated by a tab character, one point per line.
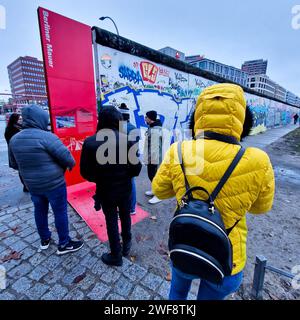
228	172
187	186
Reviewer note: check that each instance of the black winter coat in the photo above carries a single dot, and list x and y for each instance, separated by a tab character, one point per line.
112	179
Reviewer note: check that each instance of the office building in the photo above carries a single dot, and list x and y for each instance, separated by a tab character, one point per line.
255	67
228	72
27	80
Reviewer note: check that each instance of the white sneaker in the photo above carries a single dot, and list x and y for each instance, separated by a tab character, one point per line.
149	193
154	200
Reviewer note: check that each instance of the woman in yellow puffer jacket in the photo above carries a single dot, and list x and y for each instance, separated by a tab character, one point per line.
220	108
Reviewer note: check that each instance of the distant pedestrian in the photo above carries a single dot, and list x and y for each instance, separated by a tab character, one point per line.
102	163
42	159
13	127
153	149
296	117
130	128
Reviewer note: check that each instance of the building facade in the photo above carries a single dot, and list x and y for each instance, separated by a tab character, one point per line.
291	98
27	80
255	67
228	72
263	84
173	53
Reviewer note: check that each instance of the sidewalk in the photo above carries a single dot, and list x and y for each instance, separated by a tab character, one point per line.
264	139
43	275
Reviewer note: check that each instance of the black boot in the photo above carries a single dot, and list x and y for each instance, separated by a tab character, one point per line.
126	248
112	260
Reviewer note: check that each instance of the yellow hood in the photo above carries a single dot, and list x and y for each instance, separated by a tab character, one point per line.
221	108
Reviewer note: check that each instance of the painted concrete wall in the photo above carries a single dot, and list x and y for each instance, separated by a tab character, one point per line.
145	86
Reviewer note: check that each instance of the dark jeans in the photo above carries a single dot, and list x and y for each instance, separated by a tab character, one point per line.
58	201
152	169
109	207
181	284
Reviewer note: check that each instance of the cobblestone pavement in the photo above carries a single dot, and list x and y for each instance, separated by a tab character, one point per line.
35	275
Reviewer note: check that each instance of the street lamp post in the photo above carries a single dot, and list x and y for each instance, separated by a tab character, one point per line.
103	18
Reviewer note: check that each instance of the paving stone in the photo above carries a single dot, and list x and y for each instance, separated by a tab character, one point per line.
26	232
93	243
36	244
110	276
26	206
79	225
15	223
37	259
50	251
126	265
87	282
135	272
7	218
73	274
38	273
22	285
52	262
20	270
12	210
32	238
152	281
22	214
70	262
54	276
18	246
99	268
3	228
56	293
37	291
122	287
100	250
89	261
164	290
27	253
11	264
84	251
10	240
75	294
5	296
2	248
115	296
140	294
99	292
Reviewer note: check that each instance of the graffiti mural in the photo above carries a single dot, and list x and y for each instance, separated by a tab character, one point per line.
144	85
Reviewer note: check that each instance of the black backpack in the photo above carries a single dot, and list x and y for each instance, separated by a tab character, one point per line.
198	241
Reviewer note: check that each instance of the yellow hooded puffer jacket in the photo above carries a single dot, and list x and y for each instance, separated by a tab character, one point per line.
221	108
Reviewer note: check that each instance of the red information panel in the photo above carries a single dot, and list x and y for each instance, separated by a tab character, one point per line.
68	60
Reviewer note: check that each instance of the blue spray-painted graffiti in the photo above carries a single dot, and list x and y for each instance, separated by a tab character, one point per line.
130	75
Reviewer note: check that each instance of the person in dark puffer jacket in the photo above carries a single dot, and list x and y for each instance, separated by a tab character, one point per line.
42	159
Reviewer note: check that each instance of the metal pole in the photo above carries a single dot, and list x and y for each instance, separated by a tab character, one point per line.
259	276
112	22
281	272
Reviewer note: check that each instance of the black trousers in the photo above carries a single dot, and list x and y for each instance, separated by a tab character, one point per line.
109	207
152	169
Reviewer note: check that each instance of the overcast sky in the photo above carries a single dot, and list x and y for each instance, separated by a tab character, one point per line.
230	31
